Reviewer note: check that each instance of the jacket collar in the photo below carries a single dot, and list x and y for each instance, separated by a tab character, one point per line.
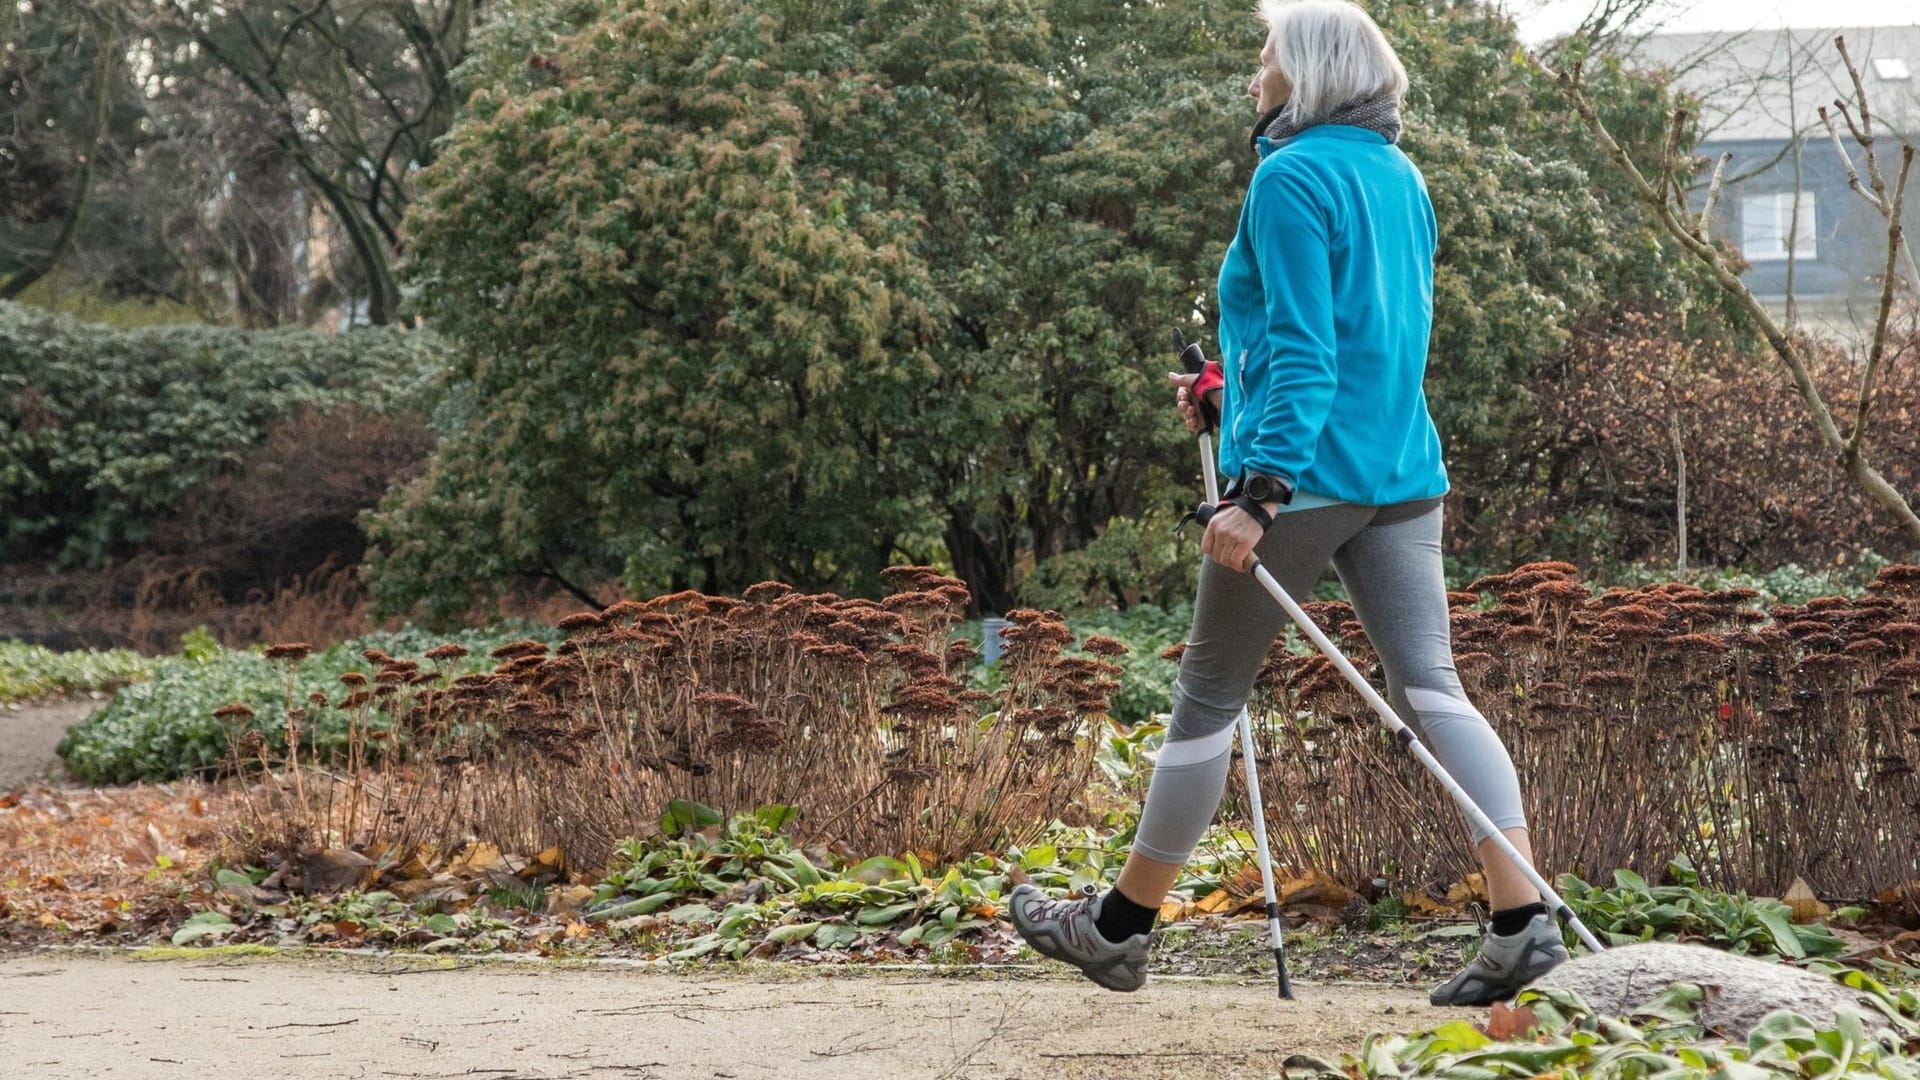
1345	132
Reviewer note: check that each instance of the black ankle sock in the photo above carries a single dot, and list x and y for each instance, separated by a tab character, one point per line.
1121	918
1511	921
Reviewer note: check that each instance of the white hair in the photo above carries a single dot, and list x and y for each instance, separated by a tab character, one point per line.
1332	52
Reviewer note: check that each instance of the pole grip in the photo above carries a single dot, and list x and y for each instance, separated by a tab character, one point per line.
1193	360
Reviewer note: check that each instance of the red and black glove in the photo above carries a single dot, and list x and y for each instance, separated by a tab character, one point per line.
1212	380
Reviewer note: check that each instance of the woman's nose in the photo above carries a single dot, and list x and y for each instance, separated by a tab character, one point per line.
1253	84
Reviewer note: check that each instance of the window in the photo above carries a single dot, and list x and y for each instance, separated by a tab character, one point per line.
1891	68
1765	221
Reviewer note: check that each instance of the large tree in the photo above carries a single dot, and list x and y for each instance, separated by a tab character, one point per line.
212	153
351	95
796	289
65	114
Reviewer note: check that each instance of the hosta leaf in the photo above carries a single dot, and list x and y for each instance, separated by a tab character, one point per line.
699	947
1779	924
880	869
792	932
205	924
885	915
835	936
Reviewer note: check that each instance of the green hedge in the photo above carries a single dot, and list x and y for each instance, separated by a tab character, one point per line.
103	430
164	728
35	671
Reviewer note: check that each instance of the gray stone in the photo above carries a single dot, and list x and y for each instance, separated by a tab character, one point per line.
1740	989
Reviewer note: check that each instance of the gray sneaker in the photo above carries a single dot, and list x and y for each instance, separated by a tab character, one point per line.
1505	965
1064	930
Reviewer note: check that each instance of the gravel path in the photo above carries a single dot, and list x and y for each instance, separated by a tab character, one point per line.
28	736
84	1015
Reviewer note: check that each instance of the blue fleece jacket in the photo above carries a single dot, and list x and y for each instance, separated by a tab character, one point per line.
1326	304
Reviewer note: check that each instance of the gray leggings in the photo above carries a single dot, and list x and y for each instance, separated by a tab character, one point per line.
1389	559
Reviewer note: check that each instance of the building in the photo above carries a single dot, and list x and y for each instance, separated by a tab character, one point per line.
1760	93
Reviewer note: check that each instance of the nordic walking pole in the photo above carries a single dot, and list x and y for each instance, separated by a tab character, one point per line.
1195	362
1413	746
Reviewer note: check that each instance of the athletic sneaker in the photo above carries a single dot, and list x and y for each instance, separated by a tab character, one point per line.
1505	965
1065	930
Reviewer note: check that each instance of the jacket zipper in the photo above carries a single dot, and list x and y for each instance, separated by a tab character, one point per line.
1240	394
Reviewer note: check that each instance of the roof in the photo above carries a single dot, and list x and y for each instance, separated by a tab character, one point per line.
1765	84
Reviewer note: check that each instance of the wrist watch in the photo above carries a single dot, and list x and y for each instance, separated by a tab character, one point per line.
1261	487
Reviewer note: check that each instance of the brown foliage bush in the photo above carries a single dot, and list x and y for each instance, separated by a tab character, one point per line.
856	712
265	551
1644	723
1593	479
293	502
147	603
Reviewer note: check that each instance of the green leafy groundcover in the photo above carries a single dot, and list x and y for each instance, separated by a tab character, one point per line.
164	728
35	671
803	896
1634	911
809	897
1664	1040
708	889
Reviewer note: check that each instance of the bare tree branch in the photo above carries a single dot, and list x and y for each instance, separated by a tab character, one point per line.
1846	161
1864	133
1668	167
1651	193
1713	193
1891	278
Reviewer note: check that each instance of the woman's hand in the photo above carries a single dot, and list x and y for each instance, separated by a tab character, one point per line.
1183	400
1230	538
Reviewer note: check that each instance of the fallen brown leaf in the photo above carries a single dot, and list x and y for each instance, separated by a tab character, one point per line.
1506	1023
1806	906
567	899
1472	890
333	870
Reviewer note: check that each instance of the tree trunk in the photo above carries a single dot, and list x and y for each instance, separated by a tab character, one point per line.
266	294
1680	496
978	562
83	183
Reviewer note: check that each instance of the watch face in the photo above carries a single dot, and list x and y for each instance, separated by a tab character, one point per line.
1259	488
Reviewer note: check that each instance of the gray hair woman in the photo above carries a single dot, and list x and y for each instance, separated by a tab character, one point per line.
1326	306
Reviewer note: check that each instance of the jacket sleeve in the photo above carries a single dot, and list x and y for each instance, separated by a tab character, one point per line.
1290	227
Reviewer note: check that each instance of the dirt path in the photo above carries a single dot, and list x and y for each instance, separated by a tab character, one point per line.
28	736
75	1015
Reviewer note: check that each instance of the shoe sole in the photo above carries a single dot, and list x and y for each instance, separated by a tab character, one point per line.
1507	990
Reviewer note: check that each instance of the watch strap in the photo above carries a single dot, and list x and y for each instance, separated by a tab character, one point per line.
1253	509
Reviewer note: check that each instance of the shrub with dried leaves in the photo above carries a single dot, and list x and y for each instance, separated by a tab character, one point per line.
1645	723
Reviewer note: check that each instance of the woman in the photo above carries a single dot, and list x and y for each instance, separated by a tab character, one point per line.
1326	304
